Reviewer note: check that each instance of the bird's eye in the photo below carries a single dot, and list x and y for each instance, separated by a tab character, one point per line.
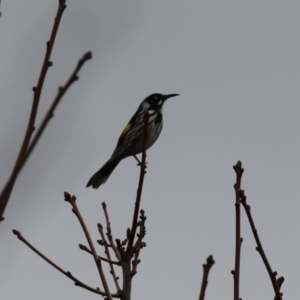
155	97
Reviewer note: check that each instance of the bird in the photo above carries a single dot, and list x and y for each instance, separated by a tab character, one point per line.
130	142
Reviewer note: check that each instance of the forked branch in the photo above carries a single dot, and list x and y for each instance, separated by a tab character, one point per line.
6	192
72	201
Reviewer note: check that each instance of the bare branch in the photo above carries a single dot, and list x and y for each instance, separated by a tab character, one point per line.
206	268
61	91
72	201
111	266
139	243
238	240
77	282
259	247
85	248
6	192
109	234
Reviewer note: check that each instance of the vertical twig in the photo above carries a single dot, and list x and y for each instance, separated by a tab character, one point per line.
238	240
109	234
111	266
127	255
6	192
140	187
206	268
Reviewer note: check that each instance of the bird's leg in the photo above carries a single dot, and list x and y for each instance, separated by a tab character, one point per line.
139	162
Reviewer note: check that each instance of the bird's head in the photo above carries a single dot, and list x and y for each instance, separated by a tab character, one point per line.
156	101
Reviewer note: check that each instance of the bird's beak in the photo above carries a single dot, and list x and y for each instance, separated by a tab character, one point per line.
170	96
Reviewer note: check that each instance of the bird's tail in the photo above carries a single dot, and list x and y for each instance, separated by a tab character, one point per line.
102	175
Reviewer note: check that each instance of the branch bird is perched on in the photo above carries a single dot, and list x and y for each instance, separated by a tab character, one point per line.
130	142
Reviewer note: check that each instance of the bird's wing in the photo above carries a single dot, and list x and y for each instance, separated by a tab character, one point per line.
125	131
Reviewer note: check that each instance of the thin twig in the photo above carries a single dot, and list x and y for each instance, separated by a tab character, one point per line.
259	247
111	266
86	249
61	91
109	234
140	187
279	281
72	201
67	273
139	244
206	268
238	240
135	262
6	192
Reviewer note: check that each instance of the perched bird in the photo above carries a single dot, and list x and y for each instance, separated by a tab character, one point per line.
130	142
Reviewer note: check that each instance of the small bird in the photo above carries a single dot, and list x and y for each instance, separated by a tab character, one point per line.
131	139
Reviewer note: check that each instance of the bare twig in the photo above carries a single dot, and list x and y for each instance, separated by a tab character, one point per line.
279	281
206	268
139	244
61	91
109	234
86	249
259	248
77	282
111	266
140	188
72	201
6	192
238	240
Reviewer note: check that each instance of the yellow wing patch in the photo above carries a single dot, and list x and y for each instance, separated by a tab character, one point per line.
126	129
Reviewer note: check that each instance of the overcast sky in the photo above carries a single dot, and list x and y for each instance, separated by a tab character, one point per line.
236	67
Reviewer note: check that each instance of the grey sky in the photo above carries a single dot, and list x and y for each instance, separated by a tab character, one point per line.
236	67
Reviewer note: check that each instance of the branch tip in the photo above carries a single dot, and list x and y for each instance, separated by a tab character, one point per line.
238	168
86	57
67	196
17	233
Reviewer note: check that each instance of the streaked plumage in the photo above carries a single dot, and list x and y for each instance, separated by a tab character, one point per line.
131	139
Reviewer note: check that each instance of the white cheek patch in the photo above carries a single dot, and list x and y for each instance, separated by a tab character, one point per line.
160	102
